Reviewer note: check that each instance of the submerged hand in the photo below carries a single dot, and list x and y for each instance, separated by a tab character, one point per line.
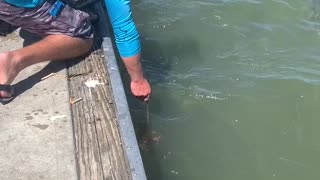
141	89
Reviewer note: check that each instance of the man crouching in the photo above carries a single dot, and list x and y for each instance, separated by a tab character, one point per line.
67	33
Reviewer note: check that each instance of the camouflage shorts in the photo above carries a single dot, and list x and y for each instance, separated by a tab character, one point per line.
38	20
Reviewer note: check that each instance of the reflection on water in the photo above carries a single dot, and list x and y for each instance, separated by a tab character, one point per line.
235	89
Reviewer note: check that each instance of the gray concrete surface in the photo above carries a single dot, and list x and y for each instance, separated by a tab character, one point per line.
35	128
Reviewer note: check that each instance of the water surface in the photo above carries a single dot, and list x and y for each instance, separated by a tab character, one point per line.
236	89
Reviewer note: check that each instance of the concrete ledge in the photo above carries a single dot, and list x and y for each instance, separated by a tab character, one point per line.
36	128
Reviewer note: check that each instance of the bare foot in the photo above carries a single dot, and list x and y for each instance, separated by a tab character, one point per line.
8	71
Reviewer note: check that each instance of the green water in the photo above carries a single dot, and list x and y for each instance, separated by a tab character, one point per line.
236	89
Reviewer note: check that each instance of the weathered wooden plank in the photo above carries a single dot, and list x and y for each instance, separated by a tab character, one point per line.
99	149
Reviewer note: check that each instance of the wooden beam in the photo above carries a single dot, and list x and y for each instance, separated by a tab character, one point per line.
99	150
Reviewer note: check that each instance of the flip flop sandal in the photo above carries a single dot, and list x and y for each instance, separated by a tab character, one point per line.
9	89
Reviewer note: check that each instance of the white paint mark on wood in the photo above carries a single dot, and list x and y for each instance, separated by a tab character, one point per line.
53	118
92	83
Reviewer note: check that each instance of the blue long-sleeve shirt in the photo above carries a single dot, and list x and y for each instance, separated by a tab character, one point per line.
119	11
126	34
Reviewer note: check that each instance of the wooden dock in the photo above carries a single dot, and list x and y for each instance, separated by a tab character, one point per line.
105	141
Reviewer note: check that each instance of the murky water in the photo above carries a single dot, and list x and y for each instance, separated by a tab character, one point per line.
236	89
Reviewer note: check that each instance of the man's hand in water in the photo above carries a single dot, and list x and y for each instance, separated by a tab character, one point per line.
141	89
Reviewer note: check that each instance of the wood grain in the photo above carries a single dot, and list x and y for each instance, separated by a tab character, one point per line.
99	151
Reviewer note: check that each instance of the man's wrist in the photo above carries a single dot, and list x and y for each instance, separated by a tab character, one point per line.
138	79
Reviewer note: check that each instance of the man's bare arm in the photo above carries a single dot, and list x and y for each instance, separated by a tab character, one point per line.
139	85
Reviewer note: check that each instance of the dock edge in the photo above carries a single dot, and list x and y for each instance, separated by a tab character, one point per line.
126	128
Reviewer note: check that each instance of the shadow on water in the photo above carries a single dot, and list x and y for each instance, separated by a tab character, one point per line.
163	55
158	58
